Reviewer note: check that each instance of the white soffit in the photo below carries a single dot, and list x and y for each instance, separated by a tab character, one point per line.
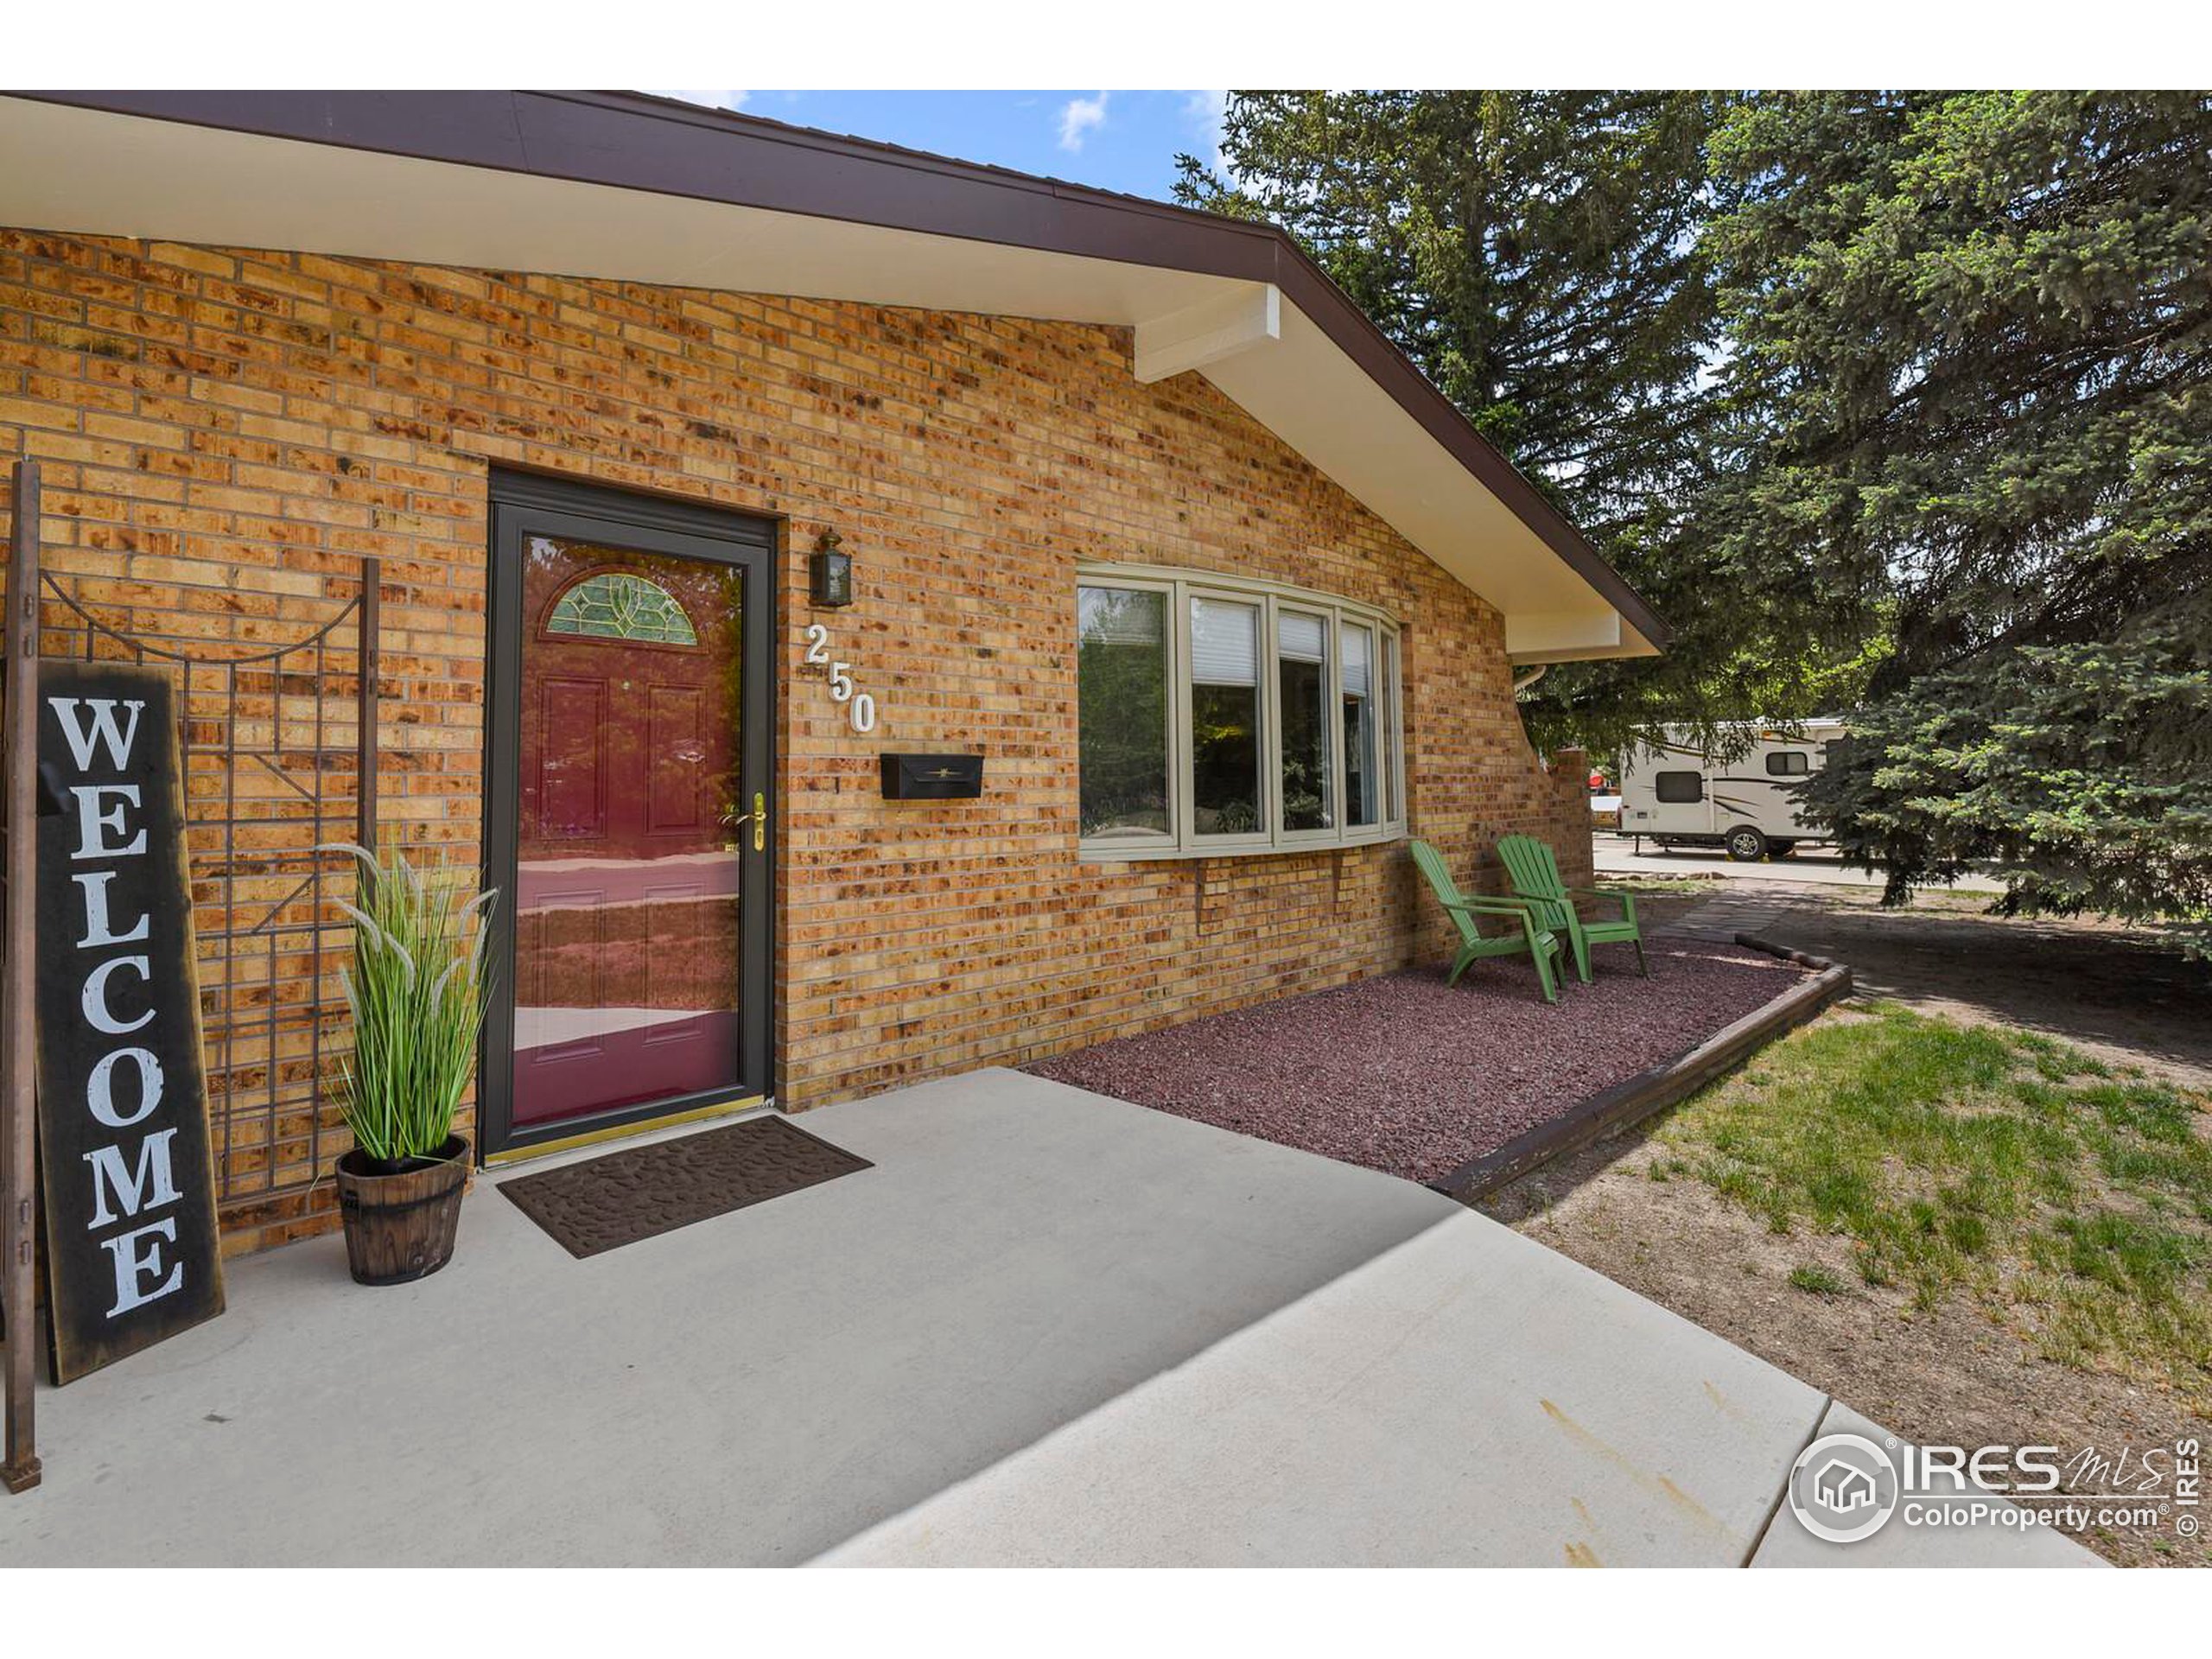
72	169
66	168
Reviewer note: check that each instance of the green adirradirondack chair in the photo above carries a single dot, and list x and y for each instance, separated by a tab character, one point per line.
1527	938
1535	878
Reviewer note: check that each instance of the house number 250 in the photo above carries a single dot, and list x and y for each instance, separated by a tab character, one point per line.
860	707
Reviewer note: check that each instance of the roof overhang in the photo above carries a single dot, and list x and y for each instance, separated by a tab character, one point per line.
634	188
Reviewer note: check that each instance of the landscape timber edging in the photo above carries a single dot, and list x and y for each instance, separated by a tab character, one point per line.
1628	1102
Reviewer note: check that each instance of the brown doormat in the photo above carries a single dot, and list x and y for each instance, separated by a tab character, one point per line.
627	1196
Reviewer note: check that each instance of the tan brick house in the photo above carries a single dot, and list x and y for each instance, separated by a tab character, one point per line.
1141	512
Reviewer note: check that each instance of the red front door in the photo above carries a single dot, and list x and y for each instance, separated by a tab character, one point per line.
633	821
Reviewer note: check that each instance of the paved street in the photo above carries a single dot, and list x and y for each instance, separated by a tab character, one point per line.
1807	866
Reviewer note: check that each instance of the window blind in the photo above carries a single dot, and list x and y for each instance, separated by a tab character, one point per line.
1224	643
1301	638
1359	663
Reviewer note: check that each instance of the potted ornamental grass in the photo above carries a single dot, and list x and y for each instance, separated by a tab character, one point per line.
415	992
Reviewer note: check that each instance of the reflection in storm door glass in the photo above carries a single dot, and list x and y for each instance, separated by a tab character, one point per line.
627	956
1363	775
1225	718
1302	647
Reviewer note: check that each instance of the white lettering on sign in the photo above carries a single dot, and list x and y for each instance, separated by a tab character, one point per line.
99	1091
153	1183
92	818
97	1011
125	1087
860	706
80	741
136	1254
99	930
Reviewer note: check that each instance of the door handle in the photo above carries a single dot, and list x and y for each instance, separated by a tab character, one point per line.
758	817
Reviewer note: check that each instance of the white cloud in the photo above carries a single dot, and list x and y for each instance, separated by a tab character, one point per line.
1078	116
1203	114
713	100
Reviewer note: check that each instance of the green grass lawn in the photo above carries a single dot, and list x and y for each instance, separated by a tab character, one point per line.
1691	886
2074	1203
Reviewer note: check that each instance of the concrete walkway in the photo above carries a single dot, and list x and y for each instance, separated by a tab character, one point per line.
1046	1327
1733	910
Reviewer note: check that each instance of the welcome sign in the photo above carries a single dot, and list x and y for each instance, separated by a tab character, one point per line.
127	1170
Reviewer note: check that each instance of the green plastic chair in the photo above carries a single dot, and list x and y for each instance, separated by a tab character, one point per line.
1535	878
1526	938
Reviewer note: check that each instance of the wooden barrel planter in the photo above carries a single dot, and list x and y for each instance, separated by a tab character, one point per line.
400	1223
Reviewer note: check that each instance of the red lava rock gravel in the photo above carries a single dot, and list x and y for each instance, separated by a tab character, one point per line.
1402	1075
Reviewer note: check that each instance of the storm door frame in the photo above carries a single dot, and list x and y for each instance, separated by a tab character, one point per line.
526	504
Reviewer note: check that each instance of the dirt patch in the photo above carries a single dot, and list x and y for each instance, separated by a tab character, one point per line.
1953	1373
1404	1075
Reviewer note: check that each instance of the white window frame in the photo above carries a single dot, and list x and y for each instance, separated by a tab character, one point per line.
1182	764
1387	692
1333	717
1393	730
1378	695
1175	643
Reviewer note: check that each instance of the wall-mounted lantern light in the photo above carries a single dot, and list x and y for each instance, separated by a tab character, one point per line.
829	573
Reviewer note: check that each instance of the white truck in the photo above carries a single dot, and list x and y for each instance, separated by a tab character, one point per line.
1678	795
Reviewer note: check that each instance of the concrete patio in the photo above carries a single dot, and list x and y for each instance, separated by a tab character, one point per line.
1047	1327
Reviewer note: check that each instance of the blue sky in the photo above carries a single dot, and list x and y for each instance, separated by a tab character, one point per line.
1115	140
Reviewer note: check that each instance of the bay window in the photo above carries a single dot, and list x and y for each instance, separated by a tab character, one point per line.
1216	716
1308	752
1226	799
1362	767
1122	691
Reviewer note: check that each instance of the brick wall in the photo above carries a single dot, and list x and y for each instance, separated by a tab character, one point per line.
225	431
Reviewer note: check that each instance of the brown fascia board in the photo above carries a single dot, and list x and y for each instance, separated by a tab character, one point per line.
747	160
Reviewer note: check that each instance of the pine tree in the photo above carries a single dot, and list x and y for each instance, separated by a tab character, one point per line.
1537	253
1971	372
1890	403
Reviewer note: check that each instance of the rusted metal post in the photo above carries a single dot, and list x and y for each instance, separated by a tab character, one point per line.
19	1466
365	730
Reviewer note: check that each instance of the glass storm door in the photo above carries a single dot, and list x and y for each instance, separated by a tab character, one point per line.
628	812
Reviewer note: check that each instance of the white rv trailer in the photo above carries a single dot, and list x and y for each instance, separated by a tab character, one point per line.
1680	795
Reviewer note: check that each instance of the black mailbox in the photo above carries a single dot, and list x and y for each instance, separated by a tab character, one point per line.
932	777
